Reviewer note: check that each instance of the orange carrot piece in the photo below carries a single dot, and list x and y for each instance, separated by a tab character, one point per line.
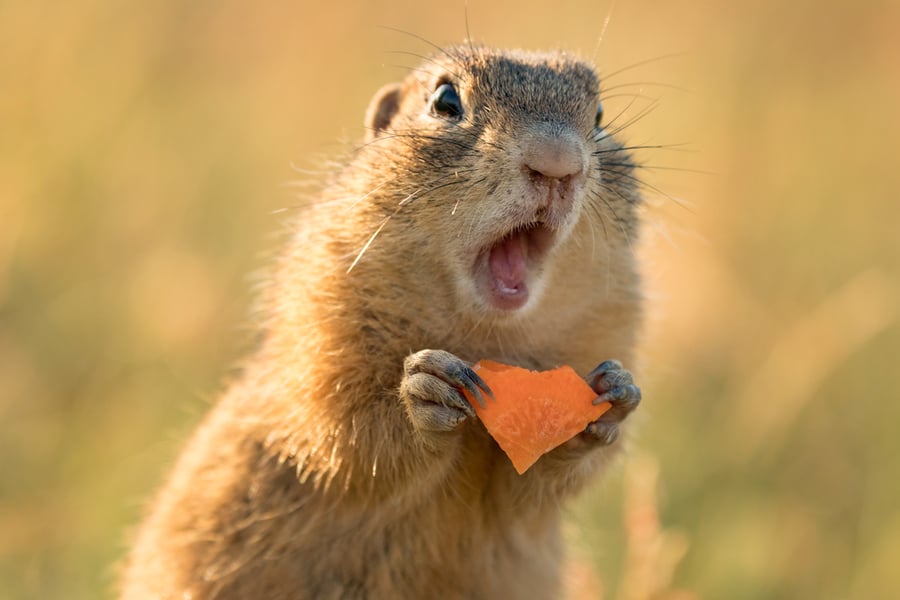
533	412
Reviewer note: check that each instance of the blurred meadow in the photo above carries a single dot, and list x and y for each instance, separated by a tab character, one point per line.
148	156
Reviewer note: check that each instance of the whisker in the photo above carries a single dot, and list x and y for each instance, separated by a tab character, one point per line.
406	201
669	86
594	240
603	31
411	197
407	69
367	194
672	147
641	183
468	34
309	172
454	59
604	97
646	111
616	218
658	168
496	333
605	131
440	49
599	215
644	62
372	239
413	135
421	57
474	326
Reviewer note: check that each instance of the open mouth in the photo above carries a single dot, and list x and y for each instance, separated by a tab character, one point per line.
504	269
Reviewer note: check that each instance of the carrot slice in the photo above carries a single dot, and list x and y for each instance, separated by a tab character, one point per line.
533	412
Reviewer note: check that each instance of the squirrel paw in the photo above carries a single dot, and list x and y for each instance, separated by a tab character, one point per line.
615	385
433	381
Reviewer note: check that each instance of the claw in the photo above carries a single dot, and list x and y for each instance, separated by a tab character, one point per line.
609	375
627	397
475	385
605	433
453	373
464	405
614	384
606	366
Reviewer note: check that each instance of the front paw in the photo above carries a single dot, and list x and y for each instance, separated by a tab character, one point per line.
432	390
615	385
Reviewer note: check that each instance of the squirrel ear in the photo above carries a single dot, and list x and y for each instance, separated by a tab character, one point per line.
382	108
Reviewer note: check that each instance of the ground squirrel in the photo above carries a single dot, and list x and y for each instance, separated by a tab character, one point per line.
489	214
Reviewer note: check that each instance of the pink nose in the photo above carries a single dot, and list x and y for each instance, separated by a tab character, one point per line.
553	156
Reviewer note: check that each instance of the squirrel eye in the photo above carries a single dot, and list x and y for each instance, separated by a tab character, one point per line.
598	120
445	102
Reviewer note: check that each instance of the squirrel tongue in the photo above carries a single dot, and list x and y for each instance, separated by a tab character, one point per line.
507	264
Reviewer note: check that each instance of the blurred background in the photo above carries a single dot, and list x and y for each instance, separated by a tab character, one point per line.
148	153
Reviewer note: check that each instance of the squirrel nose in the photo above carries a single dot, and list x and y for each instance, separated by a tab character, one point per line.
554	156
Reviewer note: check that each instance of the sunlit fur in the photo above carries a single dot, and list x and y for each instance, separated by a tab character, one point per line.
307	480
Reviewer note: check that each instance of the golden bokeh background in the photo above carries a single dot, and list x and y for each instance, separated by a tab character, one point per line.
148	156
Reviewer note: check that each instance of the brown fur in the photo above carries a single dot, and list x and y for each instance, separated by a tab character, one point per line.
308	479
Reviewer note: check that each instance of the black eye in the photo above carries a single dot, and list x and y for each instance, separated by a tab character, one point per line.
445	102
598	120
